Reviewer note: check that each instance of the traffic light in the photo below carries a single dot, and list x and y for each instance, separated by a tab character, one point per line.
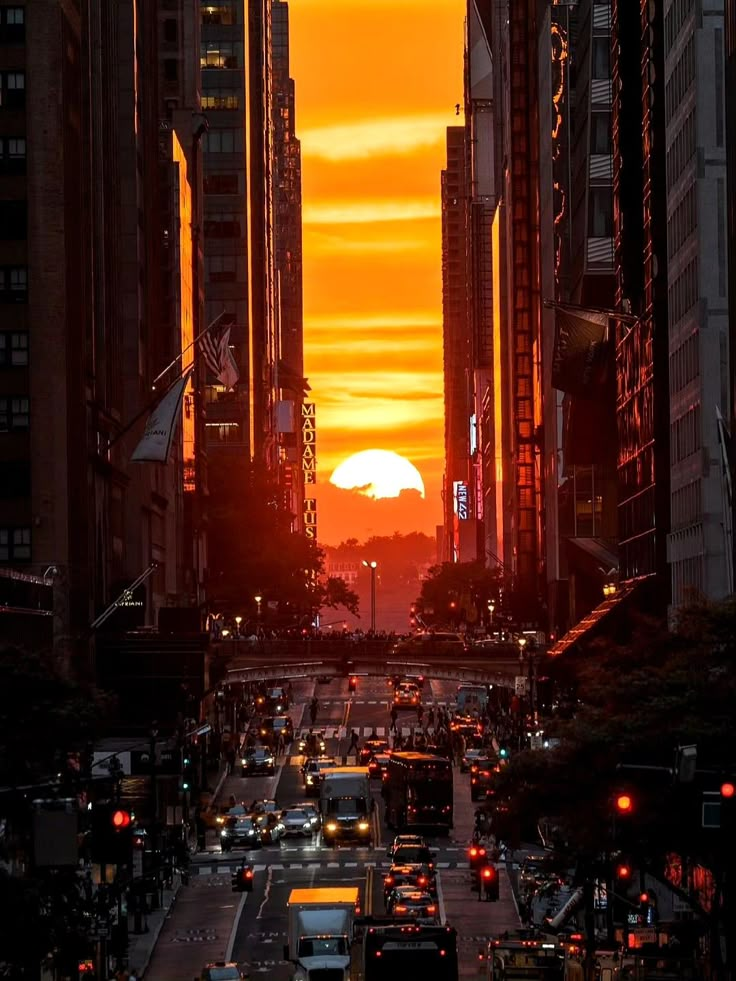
111	834
187	771
623	871
624	803
503	753
489	883
352	683
647	909
728	790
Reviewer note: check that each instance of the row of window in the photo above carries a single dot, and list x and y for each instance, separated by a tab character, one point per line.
12	24
13	284
221	11
221	99
12	148
681	79
687	503
685	435
687	576
685	362
15	544
682	149
682	222
223	225
13	220
221	268
12	90
221	54
221	184
15	414
674	19
683	293
223	141
13	348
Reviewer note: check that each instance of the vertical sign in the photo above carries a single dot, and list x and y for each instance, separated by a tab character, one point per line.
309	513
309	445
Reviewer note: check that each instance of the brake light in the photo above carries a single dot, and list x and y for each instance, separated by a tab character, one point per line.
431	909
473	852
401	909
474	769
388	881
422	880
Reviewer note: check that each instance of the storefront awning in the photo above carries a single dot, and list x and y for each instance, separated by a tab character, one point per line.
590	624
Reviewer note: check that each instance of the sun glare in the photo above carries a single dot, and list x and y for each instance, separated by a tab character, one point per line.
377	473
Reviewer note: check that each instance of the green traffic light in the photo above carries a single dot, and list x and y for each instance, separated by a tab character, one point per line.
503	753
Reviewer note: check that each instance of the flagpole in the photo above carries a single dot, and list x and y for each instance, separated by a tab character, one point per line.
148	407
184	351
613	314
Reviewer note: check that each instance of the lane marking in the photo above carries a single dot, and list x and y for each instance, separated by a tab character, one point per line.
267	892
236	924
368	904
441	901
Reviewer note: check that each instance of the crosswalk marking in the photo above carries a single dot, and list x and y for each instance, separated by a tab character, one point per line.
364	732
228	869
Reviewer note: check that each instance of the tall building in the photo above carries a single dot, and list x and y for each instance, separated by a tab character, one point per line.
459	535
730	85
698	546
288	270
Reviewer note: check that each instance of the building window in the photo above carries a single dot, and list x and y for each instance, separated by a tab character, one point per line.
171	69
220	99
223	12
171	30
221	184
221	54
12	24
601	57
600	214
12	220
14	414
221	268
600	133
14	348
12	90
12	155
222	225
15	544
224	141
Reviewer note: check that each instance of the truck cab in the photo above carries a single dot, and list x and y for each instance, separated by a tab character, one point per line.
321	925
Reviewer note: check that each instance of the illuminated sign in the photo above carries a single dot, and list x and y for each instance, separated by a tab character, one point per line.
309	514
309	437
460	497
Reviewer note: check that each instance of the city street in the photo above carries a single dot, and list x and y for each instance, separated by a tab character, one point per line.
251	927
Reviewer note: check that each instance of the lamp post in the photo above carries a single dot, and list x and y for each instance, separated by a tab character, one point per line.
491	608
238	621
372	565
259	599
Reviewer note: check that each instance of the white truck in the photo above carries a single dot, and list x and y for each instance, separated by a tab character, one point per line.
321	931
346	804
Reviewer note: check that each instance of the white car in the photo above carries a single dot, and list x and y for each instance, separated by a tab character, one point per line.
312	811
297	822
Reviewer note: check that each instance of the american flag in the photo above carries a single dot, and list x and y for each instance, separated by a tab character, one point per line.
215	347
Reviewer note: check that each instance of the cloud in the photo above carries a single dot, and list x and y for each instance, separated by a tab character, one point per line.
362	321
346	513
363	212
384	136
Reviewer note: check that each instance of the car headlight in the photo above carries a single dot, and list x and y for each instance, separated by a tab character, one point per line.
332	825
223	833
307	825
243	762
363	826
310	779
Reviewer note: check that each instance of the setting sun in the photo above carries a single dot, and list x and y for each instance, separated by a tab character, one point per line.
378	473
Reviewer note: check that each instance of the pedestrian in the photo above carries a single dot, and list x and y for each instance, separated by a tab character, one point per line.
420	712
313	707
279	744
353	742
430	717
230	757
394	716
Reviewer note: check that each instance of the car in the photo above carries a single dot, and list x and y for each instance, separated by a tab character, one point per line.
259	760
312	772
277	701
415	903
413	855
241	832
275	725
297	822
406	695
378	766
430	643
470	756
270	826
223	971
267	805
482	778
312	811
399	840
242	878
214	815
369	748
416	876
312	743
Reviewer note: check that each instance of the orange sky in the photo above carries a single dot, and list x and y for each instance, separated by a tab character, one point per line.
376	86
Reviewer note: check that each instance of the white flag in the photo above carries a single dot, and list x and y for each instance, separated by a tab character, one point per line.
228	372
161	424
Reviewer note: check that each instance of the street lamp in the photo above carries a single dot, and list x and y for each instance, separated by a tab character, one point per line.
259	599
238	621
491	608
372	565
609	589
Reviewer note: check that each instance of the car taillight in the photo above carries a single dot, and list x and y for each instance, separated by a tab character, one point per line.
474	769
473	852
431	909
388	881
422	880
248	874
401	909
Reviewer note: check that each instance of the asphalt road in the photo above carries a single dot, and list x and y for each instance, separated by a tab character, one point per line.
260	927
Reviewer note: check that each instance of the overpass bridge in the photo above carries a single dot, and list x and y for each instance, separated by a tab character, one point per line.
274	659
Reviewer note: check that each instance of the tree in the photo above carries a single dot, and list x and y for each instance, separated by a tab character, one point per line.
335	593
458	592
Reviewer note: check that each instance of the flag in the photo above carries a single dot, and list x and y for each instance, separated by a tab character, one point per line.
581	361
161	424
728	457
215	347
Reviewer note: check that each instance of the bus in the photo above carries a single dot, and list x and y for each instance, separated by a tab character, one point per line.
471	700
418	791
395	953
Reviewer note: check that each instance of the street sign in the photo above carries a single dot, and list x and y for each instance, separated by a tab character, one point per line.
520	684
202	730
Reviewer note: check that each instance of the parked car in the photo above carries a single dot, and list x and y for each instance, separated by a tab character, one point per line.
258	761
242	832
297	822
408	901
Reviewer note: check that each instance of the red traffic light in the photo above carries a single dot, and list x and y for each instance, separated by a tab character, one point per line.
488	872
120	820
644	898
624	803
623	871
728	790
